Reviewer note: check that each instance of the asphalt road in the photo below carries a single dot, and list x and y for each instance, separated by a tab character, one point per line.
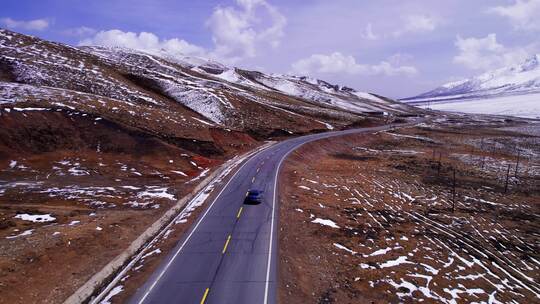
230	254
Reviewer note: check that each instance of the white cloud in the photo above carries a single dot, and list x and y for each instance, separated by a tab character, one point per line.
368	33
486	53
144	41
82	31
30	25
416	24
337	63
238	32
400	58
523	14
386	68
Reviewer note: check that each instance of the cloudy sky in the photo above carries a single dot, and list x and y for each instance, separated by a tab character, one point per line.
391	47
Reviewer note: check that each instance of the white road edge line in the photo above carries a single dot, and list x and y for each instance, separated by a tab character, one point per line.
269	263
267	283
193	231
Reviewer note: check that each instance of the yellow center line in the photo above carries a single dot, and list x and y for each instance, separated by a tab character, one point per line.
239	212
205	295
226	244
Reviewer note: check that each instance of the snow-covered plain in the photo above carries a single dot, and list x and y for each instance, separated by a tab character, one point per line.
527	106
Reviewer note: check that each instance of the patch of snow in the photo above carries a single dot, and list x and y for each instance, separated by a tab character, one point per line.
368	96
366	266
179	172
229	75
116	290
75	171
325	222
131	187
203	174
24	233
36	218
378	252
344	248
398	261
156	193
155	251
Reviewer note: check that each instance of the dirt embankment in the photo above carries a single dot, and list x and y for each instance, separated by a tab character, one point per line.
76	190
376	219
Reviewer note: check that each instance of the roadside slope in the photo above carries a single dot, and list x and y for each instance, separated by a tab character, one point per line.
368	218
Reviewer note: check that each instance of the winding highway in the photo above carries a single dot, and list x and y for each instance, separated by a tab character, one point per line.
230	254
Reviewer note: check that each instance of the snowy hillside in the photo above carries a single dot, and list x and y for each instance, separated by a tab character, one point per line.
186	94
317	92
523	78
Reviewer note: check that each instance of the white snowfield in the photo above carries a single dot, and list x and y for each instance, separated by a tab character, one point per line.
527	106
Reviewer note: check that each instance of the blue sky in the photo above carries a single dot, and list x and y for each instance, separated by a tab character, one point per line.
390	47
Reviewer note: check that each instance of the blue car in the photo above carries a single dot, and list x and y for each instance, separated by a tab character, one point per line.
254	197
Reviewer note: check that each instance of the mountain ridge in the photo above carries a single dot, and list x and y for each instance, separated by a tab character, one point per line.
187	102
517	79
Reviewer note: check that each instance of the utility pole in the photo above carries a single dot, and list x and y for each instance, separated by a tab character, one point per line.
439	165
517	163
454	191
507	176
482	151
483	161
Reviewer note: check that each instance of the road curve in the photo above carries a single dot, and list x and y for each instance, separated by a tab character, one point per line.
230	254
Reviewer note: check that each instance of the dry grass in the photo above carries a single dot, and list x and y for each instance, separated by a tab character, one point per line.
400	237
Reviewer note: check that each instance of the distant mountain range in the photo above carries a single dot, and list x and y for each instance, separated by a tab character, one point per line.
517	79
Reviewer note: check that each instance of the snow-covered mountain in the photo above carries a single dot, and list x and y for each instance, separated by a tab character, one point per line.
518	79
512	91
191	102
